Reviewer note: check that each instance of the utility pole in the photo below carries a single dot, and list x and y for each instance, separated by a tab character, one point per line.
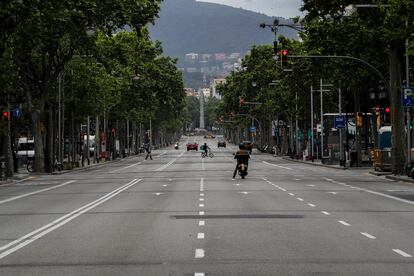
297	125
87	140
312	138
322	130
407	73
341	146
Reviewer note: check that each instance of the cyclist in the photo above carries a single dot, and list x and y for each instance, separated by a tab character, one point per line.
242	156
204	148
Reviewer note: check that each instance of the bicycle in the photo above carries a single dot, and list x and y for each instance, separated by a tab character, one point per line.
204	154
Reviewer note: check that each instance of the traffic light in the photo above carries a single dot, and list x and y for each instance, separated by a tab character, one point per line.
284	57
241	101
387	109
359	121
275	47
6	115
377	109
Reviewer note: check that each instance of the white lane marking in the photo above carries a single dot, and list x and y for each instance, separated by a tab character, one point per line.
200	236
402	253
169	163
165	185
199	253
201	199
265	179
157	194
368	235
42	231
245	193
274	165
201	213
297	179
282	189
201	223
201	205
127	167
311	185
311	205
237	184
334	193
202	185
201	194
199	274
170	179
36	192
326	213
344	223
300	199
328	179
291	194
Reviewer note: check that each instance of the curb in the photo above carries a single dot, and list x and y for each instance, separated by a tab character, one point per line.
399	178
313	164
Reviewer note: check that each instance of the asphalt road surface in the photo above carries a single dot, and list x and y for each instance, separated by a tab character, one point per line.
180	214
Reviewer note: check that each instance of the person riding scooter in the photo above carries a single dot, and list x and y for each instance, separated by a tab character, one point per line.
242	156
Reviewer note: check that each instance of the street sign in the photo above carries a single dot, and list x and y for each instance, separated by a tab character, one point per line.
339	121
17	112
319	128
408	97
253	129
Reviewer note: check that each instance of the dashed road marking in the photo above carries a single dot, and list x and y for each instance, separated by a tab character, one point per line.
157	194
311	205
200	236
333	193
201	194
201	205
245	193
199	253
133	165
199	274
344	223
326	213
291	194
368	235
201	223
311	185
201	213
201	199
402	253
300	199
274	165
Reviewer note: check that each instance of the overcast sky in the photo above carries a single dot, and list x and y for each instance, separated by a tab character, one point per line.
283	8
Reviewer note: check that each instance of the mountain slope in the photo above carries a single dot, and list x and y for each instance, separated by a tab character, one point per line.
186	26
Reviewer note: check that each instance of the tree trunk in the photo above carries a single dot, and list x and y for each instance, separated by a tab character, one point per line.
397	116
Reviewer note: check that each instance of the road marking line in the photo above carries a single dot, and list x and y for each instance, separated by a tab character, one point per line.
165	185
328	179
282	189
201	223
199	253
202	185
40	232
201	199
344	223
297	179
201	205
169	163
334	193
311	205
133	165
311	185
201	194
326	213
200	236
402	253
201	213
36	192
300	199
368	235
199	274
157	194
291	194
274	165
245	193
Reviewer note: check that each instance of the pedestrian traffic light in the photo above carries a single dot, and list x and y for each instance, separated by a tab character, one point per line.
359	121
387	109
284	57
377	109
241	101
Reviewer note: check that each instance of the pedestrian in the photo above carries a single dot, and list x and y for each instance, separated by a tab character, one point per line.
148	150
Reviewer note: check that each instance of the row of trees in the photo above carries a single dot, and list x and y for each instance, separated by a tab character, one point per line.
59	74
376	35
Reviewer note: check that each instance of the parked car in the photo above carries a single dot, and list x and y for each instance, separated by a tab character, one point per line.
192	146
221	143
209	136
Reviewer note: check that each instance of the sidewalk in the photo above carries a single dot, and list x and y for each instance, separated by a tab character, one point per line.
387	175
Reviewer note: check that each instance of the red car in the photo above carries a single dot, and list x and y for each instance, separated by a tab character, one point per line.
192	146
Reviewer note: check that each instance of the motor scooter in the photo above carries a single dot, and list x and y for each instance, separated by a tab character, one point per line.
242	170
176	146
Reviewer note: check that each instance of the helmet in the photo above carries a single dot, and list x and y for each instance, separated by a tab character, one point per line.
241	146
